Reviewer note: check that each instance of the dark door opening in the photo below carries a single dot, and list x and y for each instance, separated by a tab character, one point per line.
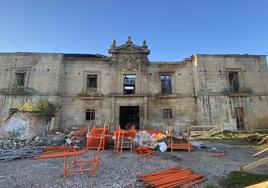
239	112
129	116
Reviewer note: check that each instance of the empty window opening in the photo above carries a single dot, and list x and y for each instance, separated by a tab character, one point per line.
233	81
20	78
91	83
167	113
129	83
166	84
13	111
90	114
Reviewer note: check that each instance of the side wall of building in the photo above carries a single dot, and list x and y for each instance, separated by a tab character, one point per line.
218	104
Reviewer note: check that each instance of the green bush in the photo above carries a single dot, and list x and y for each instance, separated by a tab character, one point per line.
241	179
39	106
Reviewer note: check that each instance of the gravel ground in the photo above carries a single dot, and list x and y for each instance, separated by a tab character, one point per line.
121	170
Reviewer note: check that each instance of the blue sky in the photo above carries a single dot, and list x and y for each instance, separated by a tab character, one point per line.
174	29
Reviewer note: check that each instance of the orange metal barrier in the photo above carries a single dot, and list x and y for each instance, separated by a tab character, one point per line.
58	154
57	148
80	165
172	177
144	150
94	138
183	145
123	139
76	165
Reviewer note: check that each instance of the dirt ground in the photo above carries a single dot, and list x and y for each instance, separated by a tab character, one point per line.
121	170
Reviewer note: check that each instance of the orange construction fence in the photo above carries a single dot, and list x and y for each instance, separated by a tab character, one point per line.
123	139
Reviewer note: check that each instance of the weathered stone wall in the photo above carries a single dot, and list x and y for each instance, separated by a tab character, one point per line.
183	111
216	103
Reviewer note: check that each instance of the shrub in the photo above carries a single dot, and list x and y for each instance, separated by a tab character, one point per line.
42	105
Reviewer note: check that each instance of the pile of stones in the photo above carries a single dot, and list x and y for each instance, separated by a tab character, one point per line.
11	149
18	149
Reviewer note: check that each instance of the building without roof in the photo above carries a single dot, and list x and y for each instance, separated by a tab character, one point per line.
126	88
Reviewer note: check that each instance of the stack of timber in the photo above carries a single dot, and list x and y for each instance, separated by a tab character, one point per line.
258	162
205	130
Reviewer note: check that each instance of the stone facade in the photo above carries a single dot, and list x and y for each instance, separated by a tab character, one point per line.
126	87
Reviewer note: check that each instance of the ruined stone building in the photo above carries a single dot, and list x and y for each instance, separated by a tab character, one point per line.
125	87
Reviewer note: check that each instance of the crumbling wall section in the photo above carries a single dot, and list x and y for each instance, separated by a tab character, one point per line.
25	126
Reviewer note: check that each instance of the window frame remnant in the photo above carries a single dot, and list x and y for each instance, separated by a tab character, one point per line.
91	83
90	114
166	84
233	78
167	113
129	84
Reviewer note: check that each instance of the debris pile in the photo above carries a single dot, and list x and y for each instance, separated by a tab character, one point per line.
77	138
255	138
11	149
57	139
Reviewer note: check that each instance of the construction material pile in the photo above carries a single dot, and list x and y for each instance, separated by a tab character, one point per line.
11	149
77	138
172	177
157	139
19	153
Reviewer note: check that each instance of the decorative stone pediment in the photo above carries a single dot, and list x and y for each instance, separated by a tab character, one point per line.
129	55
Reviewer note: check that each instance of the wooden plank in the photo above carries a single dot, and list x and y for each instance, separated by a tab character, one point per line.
255	164
263	140
206	130
259	185
266	149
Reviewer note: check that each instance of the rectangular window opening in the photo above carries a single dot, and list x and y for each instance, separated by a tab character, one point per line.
13	111
129	83
166	84
233	81
92	83
167	113
20	78
90	114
